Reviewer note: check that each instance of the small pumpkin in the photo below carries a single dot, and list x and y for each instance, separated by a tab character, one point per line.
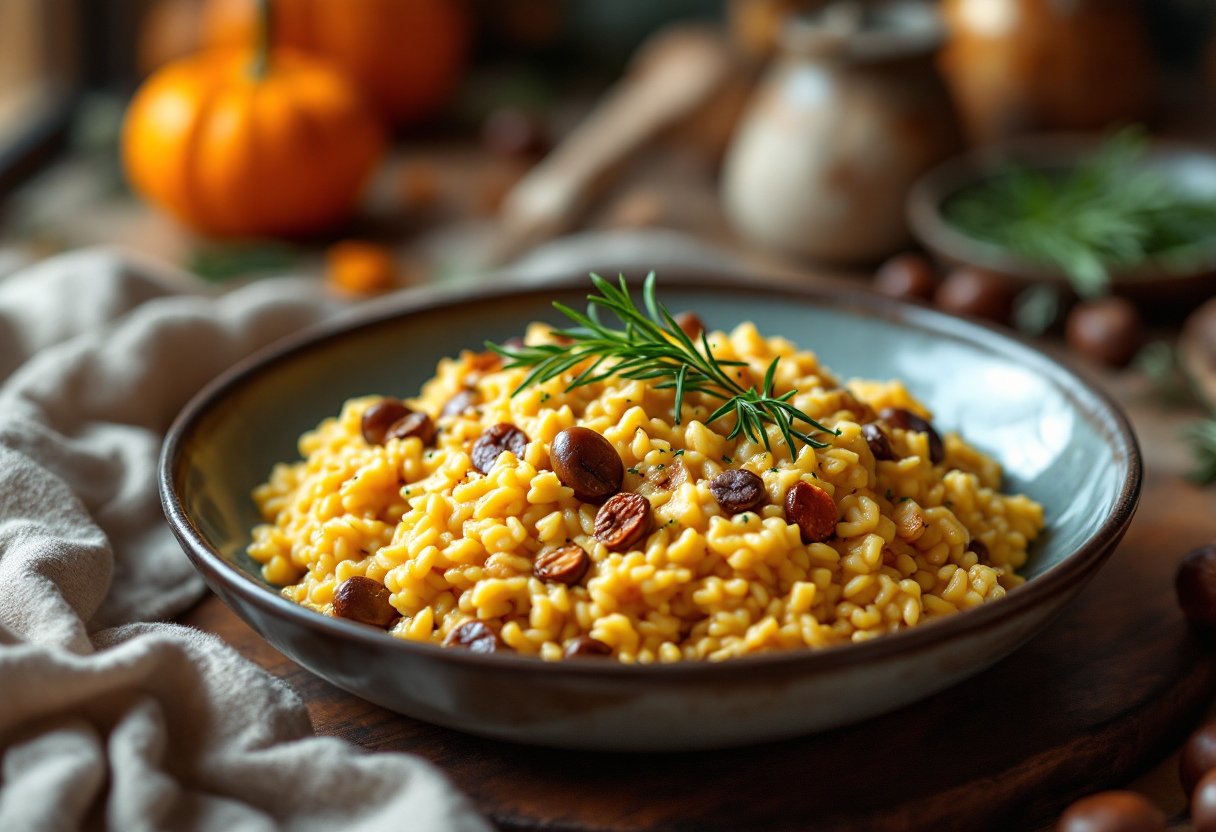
406	55
251	143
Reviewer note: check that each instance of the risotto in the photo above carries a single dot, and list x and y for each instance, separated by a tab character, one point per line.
579	523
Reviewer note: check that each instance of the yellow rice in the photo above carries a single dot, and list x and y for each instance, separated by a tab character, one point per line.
453	545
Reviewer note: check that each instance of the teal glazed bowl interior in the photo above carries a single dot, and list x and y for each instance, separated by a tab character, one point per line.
1060	441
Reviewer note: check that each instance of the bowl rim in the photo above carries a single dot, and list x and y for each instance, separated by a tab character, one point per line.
1077	566
923	208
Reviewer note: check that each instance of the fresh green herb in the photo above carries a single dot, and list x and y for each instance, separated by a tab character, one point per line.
679	452
1203	441
727	459
904	499
655	348
773	470
632	470
890	494
1110	212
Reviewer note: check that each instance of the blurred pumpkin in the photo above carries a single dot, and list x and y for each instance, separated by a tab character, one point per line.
1017	66
251	143
406	55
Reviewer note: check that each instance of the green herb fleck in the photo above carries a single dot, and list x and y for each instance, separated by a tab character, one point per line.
679	452
632	470
727	459
889	494
904	499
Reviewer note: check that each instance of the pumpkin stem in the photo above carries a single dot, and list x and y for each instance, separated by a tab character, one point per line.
265	24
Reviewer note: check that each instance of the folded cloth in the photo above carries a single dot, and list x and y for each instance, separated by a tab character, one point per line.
108	721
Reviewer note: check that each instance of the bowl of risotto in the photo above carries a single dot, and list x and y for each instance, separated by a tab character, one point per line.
705	512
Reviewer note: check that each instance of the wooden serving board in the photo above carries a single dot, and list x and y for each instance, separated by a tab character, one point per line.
1109	689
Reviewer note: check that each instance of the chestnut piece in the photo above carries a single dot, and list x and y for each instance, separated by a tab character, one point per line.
1203	804
494	441
1108	331
1116	811
879	444
586	647
415	424
563	565
668	477
1195	585
737	489
587	463
1198	757
364	600
476	637
812	510
623	521
977	294
460	403
907	276
907	420
381	416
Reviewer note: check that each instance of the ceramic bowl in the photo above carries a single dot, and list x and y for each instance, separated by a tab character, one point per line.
1060	440
1191	169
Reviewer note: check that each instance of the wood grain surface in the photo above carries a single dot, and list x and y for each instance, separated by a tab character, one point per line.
1109	689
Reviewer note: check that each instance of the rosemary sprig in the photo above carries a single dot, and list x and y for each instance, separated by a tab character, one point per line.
654	348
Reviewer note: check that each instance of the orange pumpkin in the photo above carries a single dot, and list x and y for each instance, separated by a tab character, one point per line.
406	55
236	152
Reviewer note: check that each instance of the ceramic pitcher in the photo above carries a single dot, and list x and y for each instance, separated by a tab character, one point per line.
847	118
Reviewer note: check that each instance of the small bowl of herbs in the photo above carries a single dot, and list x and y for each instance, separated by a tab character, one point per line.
1118	215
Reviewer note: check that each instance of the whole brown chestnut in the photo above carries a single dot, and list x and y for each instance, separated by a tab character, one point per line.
908	276
1109	330
1203	804
1198	757
1196	588
976	293
1116	811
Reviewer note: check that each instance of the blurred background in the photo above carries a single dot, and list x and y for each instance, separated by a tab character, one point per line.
1048	165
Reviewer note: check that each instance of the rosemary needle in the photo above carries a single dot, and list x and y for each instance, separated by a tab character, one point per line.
654	348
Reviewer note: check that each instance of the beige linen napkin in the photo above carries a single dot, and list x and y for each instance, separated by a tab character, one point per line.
108	721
